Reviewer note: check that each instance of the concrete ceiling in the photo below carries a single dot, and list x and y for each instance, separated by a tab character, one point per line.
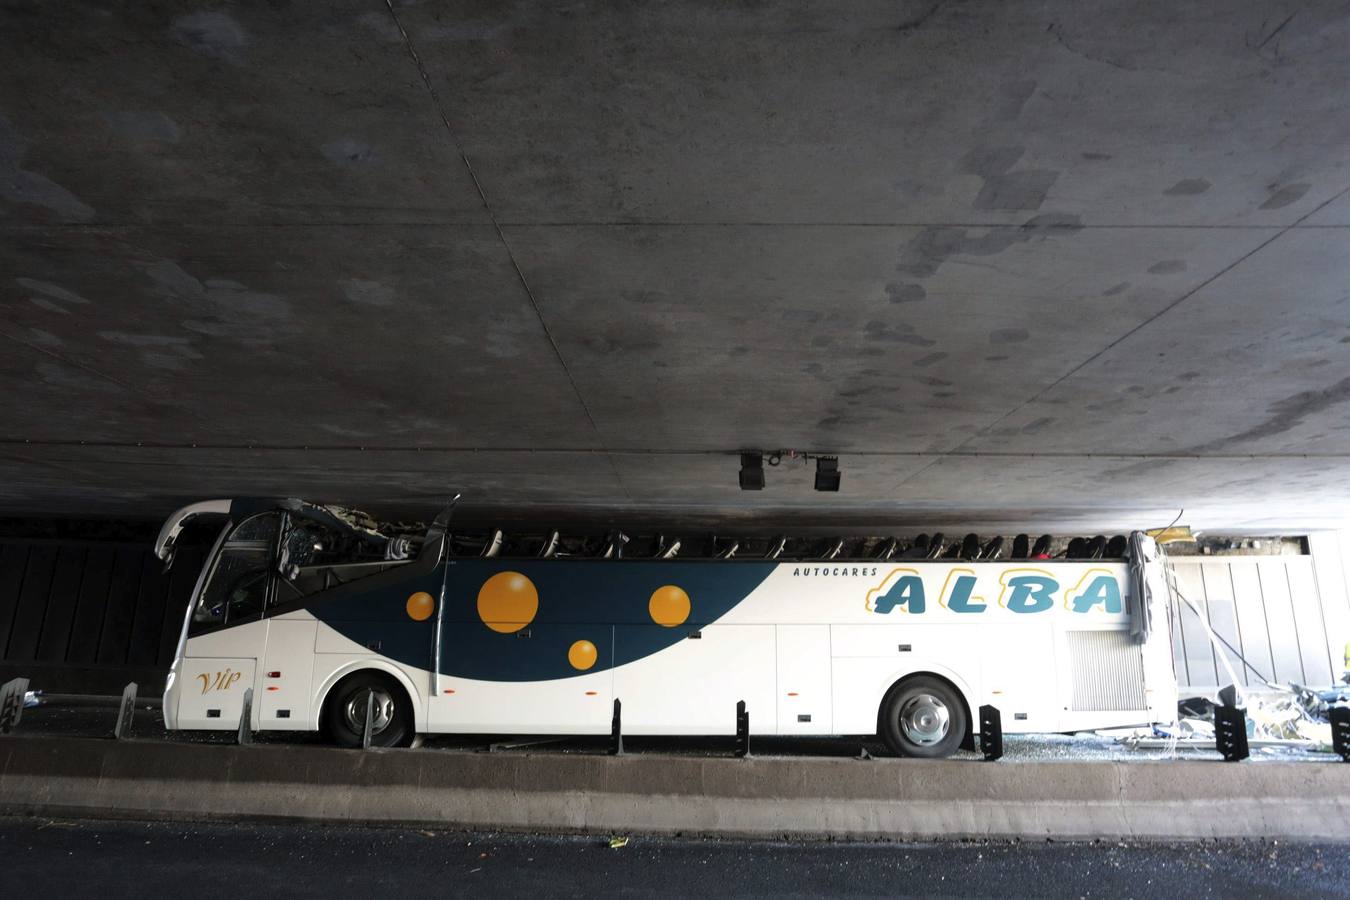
1043	264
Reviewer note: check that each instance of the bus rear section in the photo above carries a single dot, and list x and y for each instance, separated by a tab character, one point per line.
317	621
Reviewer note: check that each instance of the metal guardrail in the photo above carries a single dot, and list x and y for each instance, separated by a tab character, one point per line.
127	709
11	703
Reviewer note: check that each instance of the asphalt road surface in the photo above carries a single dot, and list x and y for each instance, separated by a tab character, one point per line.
69	858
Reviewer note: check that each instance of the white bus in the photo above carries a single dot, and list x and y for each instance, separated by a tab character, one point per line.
316	610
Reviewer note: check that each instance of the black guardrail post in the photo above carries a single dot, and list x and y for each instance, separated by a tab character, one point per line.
1230	732
991	732
125	711
1340	731
616	730
11	703
246	718
742	730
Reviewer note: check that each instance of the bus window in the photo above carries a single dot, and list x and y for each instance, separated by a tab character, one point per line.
238	586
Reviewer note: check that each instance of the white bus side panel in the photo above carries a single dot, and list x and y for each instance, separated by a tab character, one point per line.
860	683
286	678
583	704
217	668
693	687
804	678
1019	676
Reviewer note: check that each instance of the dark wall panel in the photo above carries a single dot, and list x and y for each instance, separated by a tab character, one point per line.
148	619
33	602
121	609
13	563
90	606
90	611
61	602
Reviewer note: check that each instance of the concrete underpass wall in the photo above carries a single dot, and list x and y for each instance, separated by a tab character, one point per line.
90	615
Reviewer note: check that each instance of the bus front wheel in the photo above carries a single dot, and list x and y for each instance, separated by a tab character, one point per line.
923	716
391	715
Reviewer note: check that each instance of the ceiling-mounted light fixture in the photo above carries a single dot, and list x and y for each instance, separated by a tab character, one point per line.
752	471
827	473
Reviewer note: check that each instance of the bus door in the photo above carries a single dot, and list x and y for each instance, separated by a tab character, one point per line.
227	633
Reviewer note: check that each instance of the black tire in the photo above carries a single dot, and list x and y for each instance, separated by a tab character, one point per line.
921	690
344	711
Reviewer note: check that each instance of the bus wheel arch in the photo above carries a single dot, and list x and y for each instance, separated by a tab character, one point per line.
920	695
342	710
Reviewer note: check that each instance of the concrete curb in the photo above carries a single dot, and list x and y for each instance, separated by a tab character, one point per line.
764	797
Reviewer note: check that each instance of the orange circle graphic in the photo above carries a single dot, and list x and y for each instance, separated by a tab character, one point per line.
507	602
421	606
669	606
582	655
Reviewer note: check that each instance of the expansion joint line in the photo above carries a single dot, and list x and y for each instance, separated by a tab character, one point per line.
496	226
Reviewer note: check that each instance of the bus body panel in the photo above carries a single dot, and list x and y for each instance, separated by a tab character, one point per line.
341	657
693	687
804	680
210	680
860	684
286	676
545	646
582	705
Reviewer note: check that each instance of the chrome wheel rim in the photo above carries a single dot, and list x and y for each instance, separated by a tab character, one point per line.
924	719
380	716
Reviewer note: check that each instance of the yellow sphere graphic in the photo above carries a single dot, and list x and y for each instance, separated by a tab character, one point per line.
582	655
421	606
669	606
507	602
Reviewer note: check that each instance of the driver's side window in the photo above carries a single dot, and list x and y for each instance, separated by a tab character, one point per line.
237	589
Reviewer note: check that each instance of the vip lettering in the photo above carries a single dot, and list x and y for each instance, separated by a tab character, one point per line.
222	681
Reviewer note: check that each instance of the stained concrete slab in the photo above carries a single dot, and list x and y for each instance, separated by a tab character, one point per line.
711	324
1254	363
245	114
809	112
1062	264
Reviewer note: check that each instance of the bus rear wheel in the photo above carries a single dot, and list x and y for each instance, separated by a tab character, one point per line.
391	715
923	716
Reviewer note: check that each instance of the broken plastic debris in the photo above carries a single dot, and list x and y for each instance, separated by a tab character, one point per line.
616	842
1279	718
31	699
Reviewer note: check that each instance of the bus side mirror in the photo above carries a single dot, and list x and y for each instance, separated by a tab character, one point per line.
168	558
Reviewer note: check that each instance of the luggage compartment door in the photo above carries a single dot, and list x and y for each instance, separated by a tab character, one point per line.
804	692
